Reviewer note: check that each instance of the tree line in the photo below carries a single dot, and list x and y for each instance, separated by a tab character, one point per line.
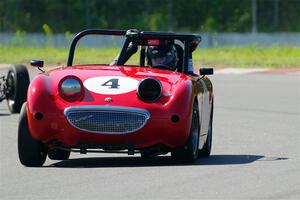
153	15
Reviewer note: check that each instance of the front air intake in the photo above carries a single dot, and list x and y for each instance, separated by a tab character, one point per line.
149	90
107	119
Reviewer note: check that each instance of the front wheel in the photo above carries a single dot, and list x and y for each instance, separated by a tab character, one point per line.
17	82
32	153
189	152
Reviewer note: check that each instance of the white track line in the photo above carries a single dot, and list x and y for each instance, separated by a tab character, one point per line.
238	71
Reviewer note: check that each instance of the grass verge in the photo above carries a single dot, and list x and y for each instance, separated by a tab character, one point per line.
250	57
242	57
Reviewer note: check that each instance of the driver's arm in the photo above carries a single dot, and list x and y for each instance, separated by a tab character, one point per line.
131	49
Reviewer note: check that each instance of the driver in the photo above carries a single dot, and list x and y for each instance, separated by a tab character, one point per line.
162	55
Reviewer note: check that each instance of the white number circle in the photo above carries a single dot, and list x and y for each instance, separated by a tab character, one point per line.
111	84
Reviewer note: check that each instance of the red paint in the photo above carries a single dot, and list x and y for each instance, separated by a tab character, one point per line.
153	42
281	71
177	98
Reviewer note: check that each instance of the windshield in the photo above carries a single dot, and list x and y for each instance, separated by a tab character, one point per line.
131	47
98	49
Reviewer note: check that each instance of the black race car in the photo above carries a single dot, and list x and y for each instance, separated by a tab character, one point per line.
13	87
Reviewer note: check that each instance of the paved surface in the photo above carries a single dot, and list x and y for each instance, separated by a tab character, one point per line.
255	154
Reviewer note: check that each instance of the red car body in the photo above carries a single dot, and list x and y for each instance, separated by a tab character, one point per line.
167	120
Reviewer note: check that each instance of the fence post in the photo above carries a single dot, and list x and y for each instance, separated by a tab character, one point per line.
254	16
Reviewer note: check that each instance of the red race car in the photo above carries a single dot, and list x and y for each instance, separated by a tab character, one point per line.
155	107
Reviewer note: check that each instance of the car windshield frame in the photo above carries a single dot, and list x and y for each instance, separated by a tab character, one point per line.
141	38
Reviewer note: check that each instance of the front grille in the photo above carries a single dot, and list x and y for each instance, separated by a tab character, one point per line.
107	119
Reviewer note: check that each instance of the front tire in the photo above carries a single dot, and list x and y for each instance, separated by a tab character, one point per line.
17	82
189	152
32	153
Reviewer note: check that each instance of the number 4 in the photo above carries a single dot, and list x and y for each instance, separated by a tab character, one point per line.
112	83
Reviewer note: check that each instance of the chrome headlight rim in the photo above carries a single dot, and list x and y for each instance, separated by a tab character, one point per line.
75	95
143	82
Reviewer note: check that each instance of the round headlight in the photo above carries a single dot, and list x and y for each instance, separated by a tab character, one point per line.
149	90
71	88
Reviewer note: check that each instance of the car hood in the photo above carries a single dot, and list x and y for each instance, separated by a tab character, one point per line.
176	94
117	84
88	71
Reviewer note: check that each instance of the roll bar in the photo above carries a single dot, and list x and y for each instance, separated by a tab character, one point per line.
190	41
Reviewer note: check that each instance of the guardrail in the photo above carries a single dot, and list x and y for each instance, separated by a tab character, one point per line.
208	40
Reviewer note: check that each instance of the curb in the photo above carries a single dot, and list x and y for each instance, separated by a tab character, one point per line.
6	66
3	66
238	71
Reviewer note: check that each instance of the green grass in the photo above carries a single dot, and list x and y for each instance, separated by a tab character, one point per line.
253	57
242	57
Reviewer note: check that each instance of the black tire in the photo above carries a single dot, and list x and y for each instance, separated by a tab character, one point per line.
17	82
189	152
206	150
58	154
32	153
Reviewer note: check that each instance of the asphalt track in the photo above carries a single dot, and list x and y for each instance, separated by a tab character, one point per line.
255	154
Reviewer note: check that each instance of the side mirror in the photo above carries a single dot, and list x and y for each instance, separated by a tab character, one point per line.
37	63
206	71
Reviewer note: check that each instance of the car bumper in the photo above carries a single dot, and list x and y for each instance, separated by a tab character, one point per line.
158	129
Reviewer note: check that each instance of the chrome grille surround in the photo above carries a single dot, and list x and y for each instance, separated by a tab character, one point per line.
107	119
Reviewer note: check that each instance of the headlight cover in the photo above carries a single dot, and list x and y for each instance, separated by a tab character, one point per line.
71	88
149	90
